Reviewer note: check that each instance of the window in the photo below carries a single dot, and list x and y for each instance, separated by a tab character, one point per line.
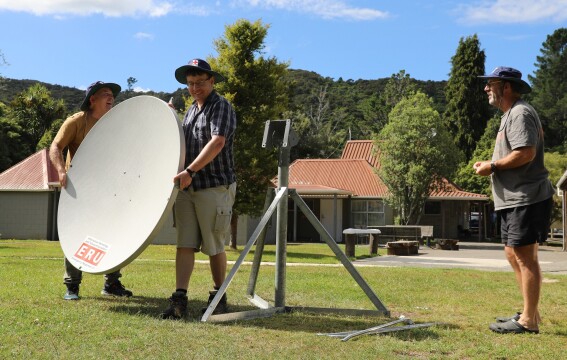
367	213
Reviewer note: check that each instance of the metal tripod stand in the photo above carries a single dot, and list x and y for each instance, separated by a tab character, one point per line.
279	134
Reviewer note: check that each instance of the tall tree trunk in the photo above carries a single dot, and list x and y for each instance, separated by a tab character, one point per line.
233	231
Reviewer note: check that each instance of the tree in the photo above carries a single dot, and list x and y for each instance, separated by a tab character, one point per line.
255	88
2	63
398	87
466	177
549	88
50	134
467	110
416	152
372	118
131	82
34	110
12	148
323	134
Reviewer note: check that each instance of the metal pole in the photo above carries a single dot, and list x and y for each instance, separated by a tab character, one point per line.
281	229
259	248
564	206
335	215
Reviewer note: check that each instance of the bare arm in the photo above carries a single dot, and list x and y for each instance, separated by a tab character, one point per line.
56	157
209	152
516	158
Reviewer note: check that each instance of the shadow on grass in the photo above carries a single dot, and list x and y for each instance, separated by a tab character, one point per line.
296	321
291	254
153	307
325	324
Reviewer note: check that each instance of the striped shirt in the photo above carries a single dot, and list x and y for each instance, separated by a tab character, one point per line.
216	117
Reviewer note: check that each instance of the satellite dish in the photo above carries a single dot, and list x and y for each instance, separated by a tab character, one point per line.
120	185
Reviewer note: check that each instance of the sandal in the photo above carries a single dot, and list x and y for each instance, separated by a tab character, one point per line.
502	319
511	327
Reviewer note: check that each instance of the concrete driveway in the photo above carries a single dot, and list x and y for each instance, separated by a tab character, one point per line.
471	255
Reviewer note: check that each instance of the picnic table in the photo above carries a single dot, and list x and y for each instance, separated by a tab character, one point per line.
351	236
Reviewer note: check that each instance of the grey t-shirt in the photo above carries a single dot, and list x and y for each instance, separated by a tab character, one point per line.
528	184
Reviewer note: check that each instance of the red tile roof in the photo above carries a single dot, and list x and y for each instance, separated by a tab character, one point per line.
361	149
354	174
356	177
451	191
35	173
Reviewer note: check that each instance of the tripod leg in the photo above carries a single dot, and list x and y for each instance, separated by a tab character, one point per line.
243	254
340	255
259	250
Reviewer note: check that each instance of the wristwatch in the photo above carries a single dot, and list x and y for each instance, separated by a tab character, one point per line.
190	172
493	166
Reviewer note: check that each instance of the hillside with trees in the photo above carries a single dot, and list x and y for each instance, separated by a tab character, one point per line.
326	112
350	109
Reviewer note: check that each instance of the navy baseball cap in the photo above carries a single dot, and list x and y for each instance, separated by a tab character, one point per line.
509	74
197	64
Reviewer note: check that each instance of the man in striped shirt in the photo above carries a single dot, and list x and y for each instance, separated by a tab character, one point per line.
203	208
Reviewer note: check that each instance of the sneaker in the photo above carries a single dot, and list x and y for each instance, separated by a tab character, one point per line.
115	289
72	292
177	306
222	306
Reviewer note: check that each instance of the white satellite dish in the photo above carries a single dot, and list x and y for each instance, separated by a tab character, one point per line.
120	185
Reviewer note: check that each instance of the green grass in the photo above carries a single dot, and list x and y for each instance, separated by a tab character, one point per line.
35	323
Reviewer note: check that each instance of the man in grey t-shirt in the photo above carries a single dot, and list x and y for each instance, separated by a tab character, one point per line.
521	189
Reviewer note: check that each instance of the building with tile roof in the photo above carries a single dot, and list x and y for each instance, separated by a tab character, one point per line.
348	193
28	199
343	193
29	195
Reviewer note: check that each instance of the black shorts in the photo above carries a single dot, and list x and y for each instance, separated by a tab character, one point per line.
526	225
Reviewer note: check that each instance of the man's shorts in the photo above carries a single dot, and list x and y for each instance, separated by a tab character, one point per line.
202	218
526	225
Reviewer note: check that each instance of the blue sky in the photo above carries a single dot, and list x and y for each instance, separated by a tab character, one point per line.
76	42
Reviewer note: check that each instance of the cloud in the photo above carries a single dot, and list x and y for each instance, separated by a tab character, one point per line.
143	36
512	11
140	89
112	8
327	9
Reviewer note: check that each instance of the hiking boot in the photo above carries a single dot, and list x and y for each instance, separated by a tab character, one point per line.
72	292
115	289
177	306
222	306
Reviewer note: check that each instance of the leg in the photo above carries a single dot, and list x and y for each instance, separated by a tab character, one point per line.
509	251
184	264
112	277
218	268
527	260
510	255
113	286
72	276
72	279
188	242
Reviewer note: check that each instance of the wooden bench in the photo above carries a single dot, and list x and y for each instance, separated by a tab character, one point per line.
402	247
351	236
405	232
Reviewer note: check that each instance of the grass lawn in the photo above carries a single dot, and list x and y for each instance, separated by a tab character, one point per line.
36	323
